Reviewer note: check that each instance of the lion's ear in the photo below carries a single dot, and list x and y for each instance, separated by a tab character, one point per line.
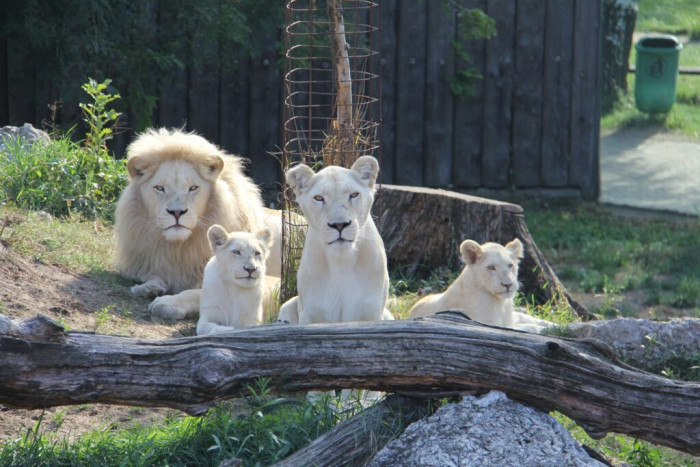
137	166
516	248
368	167
265	237
217	237
471	251
298	177
210	168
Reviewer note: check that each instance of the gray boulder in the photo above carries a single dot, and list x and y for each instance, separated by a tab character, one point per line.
26	134
491	430
644	343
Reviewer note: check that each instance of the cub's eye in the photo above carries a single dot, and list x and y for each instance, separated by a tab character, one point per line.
194	188
257	253
491	267
354	195
236	252
159	189
511	266
319	198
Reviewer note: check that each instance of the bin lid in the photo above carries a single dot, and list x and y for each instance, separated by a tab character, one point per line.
659	43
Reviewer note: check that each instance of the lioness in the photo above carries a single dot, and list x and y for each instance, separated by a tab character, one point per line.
485	288
234	281
342	273
181	184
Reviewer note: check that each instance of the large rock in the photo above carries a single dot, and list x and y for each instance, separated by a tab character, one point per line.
491	430
27	135
644	343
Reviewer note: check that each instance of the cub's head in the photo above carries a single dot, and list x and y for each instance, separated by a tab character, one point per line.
174	173
241	255
493	267
336	201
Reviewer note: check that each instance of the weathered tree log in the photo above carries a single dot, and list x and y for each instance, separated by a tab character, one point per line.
433	356
440	220
356	440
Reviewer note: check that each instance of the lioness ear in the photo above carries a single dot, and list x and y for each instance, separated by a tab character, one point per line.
265	236
210	168
137	166
471	251
368	167
298	178
516	248
217	237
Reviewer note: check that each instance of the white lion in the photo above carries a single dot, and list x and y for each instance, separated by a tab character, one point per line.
181	184
234	281
342	274
485	288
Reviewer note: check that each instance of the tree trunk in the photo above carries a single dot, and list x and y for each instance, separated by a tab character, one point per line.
619	17
440	220
44	366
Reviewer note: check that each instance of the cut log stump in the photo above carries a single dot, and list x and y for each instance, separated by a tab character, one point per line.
424	226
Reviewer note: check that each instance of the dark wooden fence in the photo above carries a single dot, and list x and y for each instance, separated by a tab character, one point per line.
533	122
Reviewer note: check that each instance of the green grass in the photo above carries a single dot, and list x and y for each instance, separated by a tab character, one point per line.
593	249
260	431
669	16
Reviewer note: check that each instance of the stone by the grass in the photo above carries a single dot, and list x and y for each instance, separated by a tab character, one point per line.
26	133
491	430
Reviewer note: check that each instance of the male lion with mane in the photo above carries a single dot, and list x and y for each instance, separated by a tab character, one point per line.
180	185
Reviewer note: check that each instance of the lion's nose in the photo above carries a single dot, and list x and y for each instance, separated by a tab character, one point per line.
177	214
507	286
339	226
250	269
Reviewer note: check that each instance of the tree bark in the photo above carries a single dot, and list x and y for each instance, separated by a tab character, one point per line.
44	366
619	18
440	220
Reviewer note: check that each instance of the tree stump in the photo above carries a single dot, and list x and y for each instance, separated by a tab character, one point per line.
424	226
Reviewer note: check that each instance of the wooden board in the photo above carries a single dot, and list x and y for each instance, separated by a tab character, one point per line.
388	79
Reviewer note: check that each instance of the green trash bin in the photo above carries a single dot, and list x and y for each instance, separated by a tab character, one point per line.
656	71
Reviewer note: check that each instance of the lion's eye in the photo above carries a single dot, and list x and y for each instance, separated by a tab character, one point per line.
194	188
236	252
491	267
511	266
257	253
159	189
354	195
319	198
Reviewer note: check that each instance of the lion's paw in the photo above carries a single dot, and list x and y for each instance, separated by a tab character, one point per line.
168	307
151	288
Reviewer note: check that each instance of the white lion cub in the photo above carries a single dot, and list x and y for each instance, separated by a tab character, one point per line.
485	288
342	274
234	280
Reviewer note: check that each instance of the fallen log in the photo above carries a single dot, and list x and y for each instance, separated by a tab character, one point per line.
435	356
440	220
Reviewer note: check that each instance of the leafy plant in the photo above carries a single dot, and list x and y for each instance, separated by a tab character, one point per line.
99	119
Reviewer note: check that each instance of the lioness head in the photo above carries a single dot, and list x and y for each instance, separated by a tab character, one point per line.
175	173
241	255
336	201
494	267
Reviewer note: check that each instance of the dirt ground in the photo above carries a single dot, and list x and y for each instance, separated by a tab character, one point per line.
28	288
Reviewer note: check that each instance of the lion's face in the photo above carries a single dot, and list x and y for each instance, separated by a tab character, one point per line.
175	193
241	255
336	201
494	267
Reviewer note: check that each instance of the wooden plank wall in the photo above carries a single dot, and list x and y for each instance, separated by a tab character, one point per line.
533	122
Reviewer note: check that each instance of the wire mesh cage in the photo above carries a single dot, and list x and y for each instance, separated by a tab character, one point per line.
332	109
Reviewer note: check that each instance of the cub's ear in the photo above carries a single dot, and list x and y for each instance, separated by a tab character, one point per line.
516	248
217	237
138	166
210	168
265	237
470	251
368	167
298	178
